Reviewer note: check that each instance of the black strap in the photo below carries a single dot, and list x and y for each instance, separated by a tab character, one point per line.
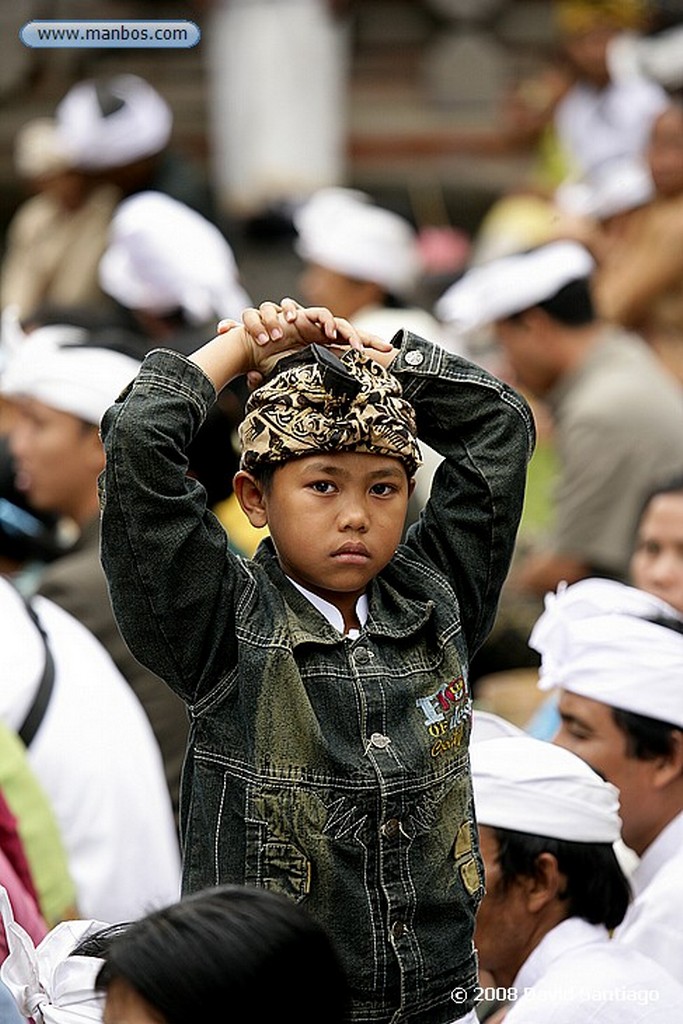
35	713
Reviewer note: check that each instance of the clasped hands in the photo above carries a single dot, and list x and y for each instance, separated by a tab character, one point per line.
274	330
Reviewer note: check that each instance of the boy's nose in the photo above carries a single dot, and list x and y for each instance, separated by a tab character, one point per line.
354	517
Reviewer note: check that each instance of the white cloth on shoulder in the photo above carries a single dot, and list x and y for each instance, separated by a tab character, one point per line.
47	983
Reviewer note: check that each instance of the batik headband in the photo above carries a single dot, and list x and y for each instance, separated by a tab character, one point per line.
317	402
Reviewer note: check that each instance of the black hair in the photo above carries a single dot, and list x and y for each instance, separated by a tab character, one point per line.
263	473
571	306
596	889
229	946
646	738
672	485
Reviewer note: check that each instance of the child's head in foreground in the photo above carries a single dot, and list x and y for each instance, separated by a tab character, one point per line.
219	954
329	453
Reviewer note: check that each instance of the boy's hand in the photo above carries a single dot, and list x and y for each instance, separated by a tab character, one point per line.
274	330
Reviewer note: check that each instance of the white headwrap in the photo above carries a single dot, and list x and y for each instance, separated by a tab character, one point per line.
47	983
343	230
54	365
512	284
622	185
594	640
162	256
139	128
529	785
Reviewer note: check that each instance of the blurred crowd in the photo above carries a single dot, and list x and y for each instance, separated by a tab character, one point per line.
571	289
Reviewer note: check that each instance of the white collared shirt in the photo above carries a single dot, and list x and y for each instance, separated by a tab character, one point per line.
653	921
332	613
577	974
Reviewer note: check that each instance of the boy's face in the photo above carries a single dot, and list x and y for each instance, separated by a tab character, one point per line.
336	519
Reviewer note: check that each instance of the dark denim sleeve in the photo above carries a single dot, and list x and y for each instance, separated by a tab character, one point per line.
165	555
486	433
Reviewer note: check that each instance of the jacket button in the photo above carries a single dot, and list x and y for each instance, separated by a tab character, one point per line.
362	655
414	357
397	929
379	741
391	828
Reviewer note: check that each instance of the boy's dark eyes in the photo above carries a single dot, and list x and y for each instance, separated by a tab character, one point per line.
327	487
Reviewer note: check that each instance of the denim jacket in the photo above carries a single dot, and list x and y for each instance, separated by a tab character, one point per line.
334	770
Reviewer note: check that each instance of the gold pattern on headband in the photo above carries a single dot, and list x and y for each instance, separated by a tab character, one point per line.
328	404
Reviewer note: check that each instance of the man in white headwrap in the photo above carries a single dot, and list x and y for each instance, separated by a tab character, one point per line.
56	236
177	275
164	261
615	656
119	128
57	384
614	411
554	889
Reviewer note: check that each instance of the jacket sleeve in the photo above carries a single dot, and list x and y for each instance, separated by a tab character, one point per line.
170	572
485	432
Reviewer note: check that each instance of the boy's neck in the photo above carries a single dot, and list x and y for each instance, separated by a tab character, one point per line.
346	613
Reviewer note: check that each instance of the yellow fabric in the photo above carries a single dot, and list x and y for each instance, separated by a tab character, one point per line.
577	16
38	830
244	538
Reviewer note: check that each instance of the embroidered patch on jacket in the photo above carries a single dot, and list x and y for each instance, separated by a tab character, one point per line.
446	713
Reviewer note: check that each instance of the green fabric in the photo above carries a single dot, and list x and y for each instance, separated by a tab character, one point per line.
38	830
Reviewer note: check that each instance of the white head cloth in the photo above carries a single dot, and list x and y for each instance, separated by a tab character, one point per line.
512	284
621	186
162	256
39	151
594	640
138	126
488	726
47	983
530	785
54	365
343	230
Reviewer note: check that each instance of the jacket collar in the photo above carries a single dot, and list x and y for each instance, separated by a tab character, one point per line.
390	613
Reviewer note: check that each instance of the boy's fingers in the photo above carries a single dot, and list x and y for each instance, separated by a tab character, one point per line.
290	307
254	324
226	325
270	317
349	333
375	342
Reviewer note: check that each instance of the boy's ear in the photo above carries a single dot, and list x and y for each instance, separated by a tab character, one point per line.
250	495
